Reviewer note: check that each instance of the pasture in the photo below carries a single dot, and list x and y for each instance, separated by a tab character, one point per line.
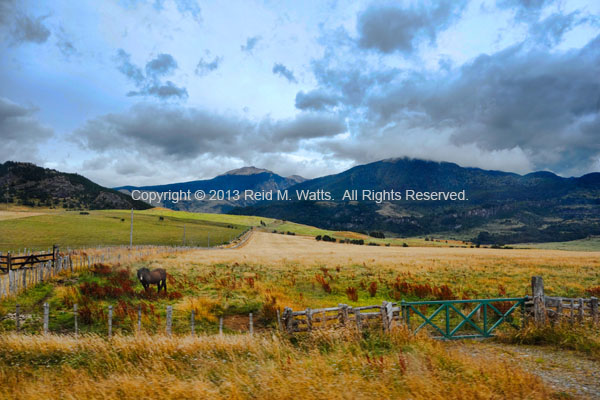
268	272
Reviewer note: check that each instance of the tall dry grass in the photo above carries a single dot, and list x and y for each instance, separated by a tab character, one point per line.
326	365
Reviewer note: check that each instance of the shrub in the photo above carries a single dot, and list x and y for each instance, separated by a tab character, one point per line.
404	245
373	244
318	238
377	234
372	289
324	284
352	293
593	291
268	312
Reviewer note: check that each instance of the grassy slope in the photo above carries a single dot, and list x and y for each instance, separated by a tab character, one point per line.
588	244
112	228
40	228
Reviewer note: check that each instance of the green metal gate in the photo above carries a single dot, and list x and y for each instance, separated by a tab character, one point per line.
450	321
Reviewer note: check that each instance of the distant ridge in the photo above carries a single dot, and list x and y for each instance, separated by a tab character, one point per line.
31	185
503	207
241	179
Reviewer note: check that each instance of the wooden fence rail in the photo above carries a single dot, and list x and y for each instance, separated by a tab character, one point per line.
18	280
538	307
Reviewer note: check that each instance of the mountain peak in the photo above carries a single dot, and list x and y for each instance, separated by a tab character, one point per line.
252	170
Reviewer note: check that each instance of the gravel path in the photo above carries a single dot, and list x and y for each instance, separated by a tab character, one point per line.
566	371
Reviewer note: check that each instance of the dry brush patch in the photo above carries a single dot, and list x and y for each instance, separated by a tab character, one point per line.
335	365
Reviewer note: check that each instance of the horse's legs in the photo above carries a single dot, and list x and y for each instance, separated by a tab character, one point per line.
165	284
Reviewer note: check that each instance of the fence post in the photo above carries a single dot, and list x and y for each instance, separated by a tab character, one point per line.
539	310
581	310
594	309
193	322
383	312
46	317
17	317
358	319
220	325
251	324
559	310
169	319
288	318
279	321
572	311
139	322
110	315
75	316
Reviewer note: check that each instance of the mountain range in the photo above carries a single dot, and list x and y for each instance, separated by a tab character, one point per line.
246	178
501	207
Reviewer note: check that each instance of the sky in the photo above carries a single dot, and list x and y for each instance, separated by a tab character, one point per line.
136	92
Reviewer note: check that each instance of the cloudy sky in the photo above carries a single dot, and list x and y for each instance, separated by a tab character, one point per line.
158	91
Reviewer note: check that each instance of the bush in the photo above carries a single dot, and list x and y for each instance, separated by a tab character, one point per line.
352	293
318	238
324	284
404	245
372	289
377	234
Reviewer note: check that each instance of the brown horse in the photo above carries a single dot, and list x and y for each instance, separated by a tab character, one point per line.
156	276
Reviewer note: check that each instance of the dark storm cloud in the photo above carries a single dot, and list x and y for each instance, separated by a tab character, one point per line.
128	68
163	64
391	27
150	84
187	133
251	43
29	29
315	100
545	104
353	83
204	67
19	27
282	70
20	129
551	29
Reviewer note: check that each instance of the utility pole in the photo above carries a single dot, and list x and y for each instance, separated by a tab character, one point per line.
7	178
131	231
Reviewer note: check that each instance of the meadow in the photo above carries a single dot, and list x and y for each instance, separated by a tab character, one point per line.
267	273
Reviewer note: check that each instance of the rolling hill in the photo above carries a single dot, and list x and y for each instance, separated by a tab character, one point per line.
30	185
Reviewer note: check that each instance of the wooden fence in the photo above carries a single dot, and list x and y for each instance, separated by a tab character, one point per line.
23	319
11	262
538	307
18	280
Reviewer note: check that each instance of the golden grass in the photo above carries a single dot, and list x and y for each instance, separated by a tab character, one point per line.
332	365
480	271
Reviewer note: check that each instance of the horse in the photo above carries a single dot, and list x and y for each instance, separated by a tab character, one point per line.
156	276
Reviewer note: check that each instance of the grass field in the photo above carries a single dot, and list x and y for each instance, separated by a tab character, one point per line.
588	244
269	272
101	228
33	228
